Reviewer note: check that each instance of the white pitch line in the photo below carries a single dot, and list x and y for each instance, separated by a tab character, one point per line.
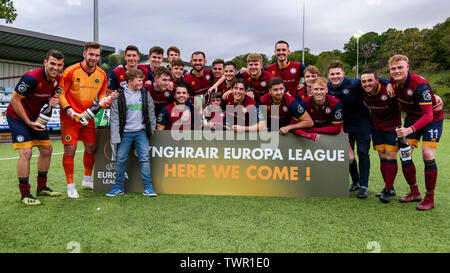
10	158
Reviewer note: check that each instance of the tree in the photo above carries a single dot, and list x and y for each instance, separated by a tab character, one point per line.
7	11
241	60
439	40
369	43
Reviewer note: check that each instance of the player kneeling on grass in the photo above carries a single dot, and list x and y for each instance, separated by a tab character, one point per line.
35	89
132	121
386	116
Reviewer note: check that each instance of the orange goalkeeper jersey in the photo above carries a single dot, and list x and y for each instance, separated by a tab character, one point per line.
80	87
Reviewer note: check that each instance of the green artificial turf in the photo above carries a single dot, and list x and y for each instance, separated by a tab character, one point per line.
195	223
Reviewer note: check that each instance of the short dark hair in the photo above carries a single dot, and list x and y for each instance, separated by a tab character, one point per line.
230	63
55	54
131	48
282	42
217	94
274	81
94	45
157	50
161	70
177	62
182	85
370	71
335	64
240	80
132	74
197	53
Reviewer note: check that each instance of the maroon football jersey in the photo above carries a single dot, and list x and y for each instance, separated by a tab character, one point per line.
291	74
35	91
116	78
245	113
385	111
258	86
160	99
199	85
288	109
324	115
416	92
169	117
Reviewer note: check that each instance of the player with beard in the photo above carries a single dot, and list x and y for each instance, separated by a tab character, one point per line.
241	113
81	84
356	122
290	71
283	107
385	115
35	89
176	115
200	79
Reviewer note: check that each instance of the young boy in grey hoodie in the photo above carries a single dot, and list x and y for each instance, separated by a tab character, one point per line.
132	120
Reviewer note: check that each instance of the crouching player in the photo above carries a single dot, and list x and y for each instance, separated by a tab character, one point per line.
241	113
324	109
386	116
35	88
133	121
423	120
283	107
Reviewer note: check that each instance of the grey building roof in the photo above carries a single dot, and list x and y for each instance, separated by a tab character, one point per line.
29	46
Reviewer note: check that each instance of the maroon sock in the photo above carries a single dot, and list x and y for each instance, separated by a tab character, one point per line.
430	175
41	180
390	172
383	168
409	171
24	186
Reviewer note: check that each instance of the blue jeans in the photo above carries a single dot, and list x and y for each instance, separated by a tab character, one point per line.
142	146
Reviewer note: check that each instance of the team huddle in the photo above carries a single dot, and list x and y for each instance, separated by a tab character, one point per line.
147	98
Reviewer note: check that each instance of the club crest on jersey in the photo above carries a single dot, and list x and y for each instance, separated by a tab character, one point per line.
327	110
55	84
384	98
160	117
78	80
338	114
167	94
300	109
409	92
427	95
20	138
68	138
207	77
22	87
97	81
263	84
346	91
293	70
